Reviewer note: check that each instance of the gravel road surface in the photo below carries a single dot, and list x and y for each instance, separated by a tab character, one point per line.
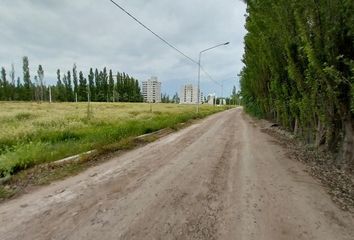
222	178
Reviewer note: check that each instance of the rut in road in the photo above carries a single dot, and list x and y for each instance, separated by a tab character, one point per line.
219	179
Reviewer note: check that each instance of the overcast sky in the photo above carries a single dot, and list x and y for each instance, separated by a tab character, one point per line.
95	33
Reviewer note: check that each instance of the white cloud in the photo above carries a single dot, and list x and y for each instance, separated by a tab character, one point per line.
94	33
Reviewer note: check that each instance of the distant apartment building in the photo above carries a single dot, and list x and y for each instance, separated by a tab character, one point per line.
189	95
151	90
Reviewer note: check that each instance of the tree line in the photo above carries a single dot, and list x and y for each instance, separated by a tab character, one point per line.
165	98
299	70
71	86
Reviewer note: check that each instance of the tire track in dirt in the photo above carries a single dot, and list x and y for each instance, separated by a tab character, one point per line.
205	225
192	203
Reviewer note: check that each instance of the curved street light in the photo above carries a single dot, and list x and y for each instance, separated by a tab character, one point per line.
199	62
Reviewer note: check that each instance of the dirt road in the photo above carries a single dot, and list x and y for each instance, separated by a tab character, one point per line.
219	179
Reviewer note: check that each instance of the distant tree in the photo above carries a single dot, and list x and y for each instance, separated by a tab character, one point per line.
66	96
138	95
28	93
58	76
59	90
19	90
111	86
98	86
12	75
104	80
12	90
69	89
101	79
37	88
118	87
165	98
40	73
100	94
82	88
75	79
3	85
234	95
175	98
91	84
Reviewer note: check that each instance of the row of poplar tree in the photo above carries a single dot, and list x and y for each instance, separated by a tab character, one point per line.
98	86
299	69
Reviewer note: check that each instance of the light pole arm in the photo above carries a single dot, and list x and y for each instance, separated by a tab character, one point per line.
222	44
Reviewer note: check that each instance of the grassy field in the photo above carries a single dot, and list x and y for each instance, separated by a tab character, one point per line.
32	133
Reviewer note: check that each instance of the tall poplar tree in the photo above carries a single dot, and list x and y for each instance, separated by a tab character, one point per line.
27	84
299	70
12	84
69	88
98	86
91	85
82	88
40	73
4	86
110	86
75	81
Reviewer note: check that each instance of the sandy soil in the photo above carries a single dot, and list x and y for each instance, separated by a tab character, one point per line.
219	179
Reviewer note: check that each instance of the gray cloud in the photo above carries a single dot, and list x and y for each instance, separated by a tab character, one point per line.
94	33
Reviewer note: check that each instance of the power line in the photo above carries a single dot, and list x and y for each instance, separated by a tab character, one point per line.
163	40
149	29
210	77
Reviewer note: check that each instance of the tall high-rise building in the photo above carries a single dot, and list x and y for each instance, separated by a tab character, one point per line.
189	95
152	90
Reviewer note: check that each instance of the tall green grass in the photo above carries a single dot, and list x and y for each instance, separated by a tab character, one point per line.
50	139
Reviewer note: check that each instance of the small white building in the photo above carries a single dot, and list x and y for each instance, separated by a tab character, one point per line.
211	99
222	101
189	95
151	90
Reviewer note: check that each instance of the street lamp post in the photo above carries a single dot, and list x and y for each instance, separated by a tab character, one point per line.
199	62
